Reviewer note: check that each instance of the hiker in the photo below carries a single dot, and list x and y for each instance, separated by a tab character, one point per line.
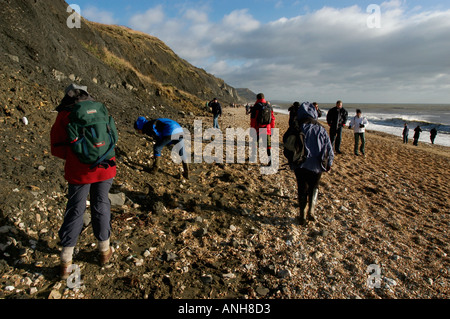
293	110
405	134
417	132
216	110
433	134
319	111
317	158
337	119
165	131
359	124
84	179
262	117
247	109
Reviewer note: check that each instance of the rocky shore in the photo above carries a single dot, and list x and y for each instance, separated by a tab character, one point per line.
230	232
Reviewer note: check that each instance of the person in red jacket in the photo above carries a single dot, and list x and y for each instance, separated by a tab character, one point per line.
254	122
83	181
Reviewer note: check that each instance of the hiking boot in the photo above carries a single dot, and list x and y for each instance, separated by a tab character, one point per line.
312	205
64	270
302	202
105	256
156	165
185	170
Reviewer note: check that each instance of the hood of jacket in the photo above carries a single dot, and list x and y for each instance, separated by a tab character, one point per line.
306	110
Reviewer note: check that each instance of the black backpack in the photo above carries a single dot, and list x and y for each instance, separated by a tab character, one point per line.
265	114
294	142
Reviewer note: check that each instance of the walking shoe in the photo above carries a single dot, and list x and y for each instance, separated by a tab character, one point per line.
64	270
105	257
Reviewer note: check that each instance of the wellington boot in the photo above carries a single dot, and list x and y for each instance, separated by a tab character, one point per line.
302	202
312	205
186	170
156	165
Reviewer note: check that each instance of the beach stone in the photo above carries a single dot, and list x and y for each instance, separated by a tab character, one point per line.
86	219
171	256
33	290
9	288
285	273
262	291
54	294
207	279
117	199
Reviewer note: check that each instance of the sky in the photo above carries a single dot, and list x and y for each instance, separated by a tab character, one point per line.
396	51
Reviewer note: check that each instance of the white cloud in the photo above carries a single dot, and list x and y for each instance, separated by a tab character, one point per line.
94	14
322	55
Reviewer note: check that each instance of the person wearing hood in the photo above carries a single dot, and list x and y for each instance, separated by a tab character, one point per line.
166	132
83	180
319	159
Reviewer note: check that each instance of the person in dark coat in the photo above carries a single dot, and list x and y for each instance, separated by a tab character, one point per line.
337	119
417	132
405	134
216	110
433	135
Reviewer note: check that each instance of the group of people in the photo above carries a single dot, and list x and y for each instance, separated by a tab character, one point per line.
416	137
85	179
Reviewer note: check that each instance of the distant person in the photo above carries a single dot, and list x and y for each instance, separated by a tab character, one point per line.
318	159
405	134
247	109
216	110
359	124
84	179
337	119
262	117
293	111
162	130
433	134
319	111
417	132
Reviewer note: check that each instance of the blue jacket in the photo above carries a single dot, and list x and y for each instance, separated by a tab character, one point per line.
318	143
161	128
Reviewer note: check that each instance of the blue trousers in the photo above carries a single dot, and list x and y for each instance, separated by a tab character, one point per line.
76	206
216	121
167	141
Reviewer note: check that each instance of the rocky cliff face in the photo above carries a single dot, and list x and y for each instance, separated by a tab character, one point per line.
125	68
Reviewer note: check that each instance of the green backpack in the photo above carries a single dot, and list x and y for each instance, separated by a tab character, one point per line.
92	133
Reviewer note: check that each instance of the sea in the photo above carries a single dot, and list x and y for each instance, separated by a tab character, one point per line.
391	118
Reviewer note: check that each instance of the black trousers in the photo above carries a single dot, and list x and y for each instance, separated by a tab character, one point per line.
307	181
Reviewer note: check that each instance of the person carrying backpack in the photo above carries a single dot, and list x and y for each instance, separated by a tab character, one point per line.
85	176
262	117
216	110
165	131
315	156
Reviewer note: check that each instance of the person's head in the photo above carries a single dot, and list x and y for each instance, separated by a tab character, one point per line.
358	113
406	124
140	123
260	96
339	104
75	90
215	99
316	105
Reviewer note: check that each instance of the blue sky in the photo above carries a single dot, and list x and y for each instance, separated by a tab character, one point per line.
304	50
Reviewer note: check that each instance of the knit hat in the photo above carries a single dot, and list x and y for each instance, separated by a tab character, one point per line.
141	121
